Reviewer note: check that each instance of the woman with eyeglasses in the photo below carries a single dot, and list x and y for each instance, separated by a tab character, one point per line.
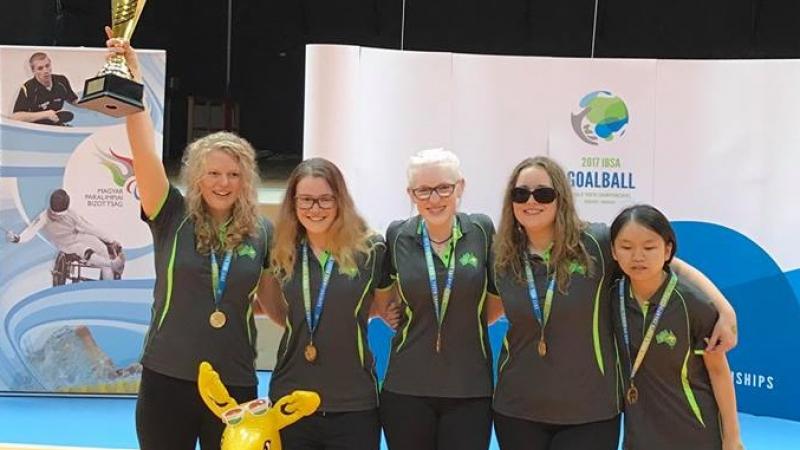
210	246
438	387
558	384
326	265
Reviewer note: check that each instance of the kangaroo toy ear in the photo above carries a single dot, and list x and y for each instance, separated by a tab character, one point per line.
212	391
293	407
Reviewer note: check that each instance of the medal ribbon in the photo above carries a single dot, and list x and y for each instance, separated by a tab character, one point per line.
651	330
439	308
219	278
313	320
534	296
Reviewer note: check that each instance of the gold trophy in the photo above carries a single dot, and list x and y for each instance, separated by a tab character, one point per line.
113	91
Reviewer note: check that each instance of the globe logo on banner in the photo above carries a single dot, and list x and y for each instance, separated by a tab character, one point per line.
603	117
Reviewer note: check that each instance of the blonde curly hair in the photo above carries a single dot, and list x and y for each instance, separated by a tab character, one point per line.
244	216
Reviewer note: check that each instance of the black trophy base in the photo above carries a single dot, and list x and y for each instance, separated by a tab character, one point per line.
112	95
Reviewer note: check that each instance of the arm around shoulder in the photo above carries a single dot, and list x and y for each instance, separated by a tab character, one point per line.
724	337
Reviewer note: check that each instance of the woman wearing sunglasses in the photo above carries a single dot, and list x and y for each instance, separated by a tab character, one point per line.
558	381
210	247
326	265
438	387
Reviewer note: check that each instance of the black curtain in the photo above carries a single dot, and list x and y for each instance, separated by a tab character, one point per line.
269	38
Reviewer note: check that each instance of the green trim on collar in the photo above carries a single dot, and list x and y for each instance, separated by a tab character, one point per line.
323	258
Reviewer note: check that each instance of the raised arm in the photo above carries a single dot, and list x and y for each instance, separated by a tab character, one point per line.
151	178
725	334
30	231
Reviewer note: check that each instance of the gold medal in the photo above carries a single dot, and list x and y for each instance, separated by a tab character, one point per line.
542	347
310	353
438	342
632	395
217	319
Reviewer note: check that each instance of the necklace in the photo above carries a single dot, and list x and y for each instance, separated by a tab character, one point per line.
443	240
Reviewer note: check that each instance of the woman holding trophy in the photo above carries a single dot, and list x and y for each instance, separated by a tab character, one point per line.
210	248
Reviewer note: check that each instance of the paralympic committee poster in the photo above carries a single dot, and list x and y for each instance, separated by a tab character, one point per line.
76	277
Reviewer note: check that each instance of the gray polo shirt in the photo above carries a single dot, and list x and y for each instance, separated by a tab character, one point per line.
462	368
676	408
343	373
180	336
577	381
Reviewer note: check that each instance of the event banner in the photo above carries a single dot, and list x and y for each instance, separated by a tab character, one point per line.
606	146
711	143
77	275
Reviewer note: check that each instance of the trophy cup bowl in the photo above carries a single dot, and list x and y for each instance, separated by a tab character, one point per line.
114	91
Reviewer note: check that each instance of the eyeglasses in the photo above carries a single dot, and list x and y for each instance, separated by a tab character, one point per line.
307	201
235	415
542	194
443	190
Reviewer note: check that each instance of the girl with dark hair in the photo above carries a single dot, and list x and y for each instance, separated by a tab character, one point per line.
677	395
558	383
325	267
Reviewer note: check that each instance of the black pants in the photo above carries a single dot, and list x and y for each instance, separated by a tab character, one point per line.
357	430
434	423
170	415
520	434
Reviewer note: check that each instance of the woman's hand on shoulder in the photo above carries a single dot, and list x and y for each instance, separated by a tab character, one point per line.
387	306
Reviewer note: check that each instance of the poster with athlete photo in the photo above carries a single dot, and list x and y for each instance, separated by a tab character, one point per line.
77	276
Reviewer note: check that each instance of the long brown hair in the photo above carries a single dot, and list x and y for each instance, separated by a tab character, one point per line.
511	242
349	231
244	216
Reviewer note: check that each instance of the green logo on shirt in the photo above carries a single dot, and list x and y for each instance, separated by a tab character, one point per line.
350	272
667	337
468	259
247	250
576	267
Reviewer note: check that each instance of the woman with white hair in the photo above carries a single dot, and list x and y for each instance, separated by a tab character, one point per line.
438	387
210	248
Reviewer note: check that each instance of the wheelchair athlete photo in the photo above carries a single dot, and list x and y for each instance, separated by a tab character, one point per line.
70	267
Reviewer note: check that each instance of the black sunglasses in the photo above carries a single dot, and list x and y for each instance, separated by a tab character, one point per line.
542	194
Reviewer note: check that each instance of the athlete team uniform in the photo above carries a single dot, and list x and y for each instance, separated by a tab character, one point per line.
568	397
169	412
676	407
337	362
438	396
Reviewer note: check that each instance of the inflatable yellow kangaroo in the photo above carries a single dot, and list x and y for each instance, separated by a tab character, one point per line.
253	425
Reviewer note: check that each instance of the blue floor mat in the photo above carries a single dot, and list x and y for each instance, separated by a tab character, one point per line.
109	423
